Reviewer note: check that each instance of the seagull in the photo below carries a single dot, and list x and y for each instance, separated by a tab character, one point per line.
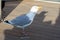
24	20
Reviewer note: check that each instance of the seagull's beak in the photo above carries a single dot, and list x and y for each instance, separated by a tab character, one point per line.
40	8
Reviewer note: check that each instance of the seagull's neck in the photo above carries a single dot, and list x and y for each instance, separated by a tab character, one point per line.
31	15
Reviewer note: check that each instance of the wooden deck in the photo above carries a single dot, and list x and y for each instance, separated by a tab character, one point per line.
46	25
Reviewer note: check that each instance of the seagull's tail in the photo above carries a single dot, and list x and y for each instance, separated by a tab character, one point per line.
7	22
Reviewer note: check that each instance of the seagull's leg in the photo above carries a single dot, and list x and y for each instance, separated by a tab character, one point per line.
23	31
24	36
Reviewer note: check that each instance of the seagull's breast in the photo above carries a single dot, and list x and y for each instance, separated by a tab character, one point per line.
21	20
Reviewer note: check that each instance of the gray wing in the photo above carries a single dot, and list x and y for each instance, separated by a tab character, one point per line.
21	20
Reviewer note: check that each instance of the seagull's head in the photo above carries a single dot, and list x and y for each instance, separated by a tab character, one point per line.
36	8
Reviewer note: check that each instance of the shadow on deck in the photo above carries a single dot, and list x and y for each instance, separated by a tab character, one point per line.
38	30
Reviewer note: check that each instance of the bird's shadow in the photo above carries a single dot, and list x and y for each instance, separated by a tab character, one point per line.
16	32
39	30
